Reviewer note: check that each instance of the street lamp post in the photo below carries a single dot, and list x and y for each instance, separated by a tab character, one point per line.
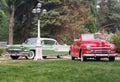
39	12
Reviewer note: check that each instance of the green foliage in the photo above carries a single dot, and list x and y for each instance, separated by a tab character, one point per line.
3	2
1	51
3	30
3	26
2	14
116	40
91	25
64	39
60	18
3	21
70	17
108	16
23	19
59	71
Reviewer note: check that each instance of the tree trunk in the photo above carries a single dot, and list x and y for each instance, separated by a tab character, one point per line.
11	24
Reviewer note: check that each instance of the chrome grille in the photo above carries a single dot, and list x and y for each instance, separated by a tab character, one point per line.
101	51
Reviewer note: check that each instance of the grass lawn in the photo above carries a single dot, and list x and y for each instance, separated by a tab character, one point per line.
59	71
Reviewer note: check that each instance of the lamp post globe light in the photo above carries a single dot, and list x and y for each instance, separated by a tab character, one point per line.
39	12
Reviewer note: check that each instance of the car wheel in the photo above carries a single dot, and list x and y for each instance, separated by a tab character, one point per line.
58	56
81	57
111	58
44	57
14	57
31	55
72	58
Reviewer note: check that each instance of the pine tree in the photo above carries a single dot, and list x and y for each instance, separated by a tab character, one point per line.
109	16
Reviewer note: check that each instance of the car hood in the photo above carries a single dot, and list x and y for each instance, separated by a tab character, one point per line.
95	43
18	46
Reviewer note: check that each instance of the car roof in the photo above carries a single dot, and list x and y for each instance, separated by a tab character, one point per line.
43	38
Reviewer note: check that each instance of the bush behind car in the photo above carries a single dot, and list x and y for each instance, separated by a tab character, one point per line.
115	39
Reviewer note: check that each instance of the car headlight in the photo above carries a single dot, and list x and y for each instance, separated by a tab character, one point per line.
22	47
88	47
7	46
112	47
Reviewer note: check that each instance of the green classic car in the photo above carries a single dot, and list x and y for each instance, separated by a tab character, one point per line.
49	47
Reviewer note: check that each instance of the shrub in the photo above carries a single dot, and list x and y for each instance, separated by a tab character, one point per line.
115	39
1	51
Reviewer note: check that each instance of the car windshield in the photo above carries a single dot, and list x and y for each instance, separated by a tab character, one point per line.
87	36
93	36
31	41
99	36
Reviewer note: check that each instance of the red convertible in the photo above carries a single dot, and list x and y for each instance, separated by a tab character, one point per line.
92	46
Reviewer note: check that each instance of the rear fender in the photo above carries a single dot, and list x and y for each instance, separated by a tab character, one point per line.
71	48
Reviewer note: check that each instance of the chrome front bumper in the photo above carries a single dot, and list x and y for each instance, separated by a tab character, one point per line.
99	55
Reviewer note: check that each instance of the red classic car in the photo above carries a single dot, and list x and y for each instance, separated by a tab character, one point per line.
92	46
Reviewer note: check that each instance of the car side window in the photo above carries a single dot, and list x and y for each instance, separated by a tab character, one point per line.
30	41
49	42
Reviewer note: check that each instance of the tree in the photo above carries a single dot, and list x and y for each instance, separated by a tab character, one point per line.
23	19
11	9
19	18
109	15
3	21
92	23
66	16
69	16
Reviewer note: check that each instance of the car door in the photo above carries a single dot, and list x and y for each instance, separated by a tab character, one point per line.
48	47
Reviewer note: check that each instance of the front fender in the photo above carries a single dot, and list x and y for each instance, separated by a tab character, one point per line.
71	48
